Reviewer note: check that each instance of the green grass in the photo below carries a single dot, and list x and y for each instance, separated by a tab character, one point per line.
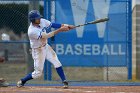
81	73
12	72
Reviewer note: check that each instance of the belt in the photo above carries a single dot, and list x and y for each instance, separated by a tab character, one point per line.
40	46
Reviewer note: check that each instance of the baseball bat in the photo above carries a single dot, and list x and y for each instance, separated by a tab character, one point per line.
94	22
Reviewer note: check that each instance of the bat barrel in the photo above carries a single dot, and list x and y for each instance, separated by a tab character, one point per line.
94	22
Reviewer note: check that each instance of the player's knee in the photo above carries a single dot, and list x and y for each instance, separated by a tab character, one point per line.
39	75
36	74
58	64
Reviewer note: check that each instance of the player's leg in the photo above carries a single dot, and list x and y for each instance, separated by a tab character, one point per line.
52	57
39	59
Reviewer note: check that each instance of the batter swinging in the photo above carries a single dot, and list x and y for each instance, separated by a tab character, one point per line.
37	33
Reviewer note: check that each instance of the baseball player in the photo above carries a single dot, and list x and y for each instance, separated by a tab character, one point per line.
37	33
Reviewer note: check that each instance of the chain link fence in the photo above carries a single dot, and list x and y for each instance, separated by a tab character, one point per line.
14	45
96	52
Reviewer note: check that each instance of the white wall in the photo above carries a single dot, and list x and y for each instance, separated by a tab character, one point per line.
137	1
134	2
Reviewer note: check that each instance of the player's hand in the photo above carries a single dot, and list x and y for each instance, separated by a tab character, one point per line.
71	27
64	28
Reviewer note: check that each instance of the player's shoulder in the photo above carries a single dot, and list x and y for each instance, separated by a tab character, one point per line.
44	20
32	29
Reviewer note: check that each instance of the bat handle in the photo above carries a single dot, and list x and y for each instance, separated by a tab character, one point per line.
78	26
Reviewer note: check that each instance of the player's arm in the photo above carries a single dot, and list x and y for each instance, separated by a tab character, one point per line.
56	25
51	34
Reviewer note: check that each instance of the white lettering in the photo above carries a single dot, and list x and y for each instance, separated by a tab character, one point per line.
105	50
102	6
120	50
78	49
113	50
95	49
87	49
69	50
59	49
79	9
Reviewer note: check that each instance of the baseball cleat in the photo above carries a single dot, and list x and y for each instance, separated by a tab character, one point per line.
3	83
20	84
65	84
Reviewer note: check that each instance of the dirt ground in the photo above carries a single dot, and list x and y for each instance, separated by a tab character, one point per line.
71	89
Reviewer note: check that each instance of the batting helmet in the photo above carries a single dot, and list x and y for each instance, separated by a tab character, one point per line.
34	14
